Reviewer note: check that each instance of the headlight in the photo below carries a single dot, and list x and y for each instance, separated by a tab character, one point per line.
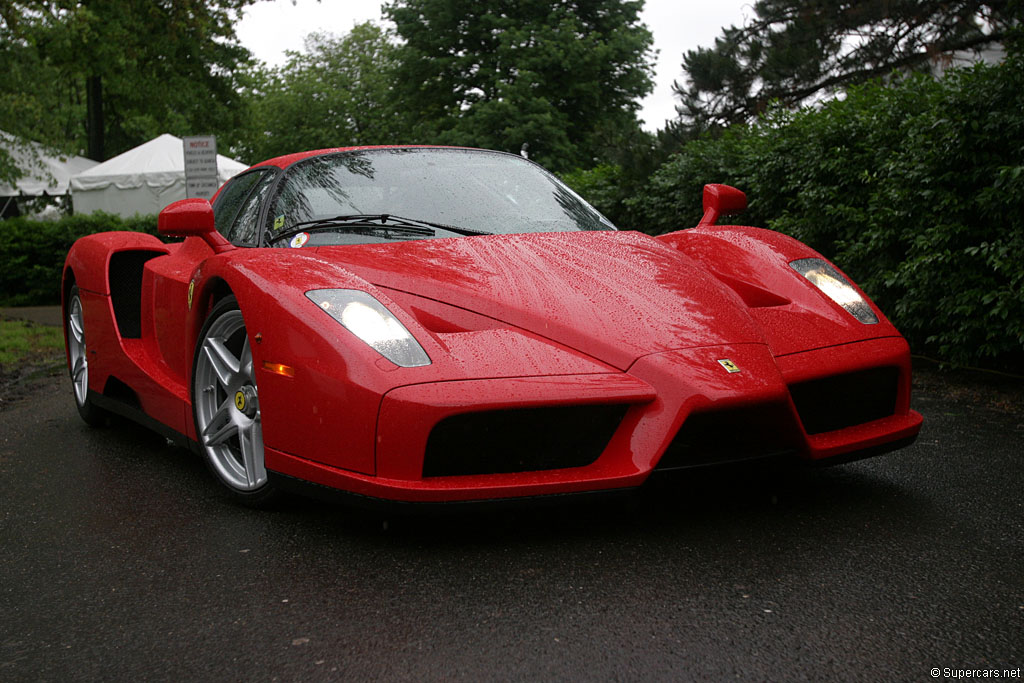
365	317
836	287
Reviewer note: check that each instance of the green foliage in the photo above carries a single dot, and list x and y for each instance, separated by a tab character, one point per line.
336	93
599	186
159	67
792	50
33	253
914	189
562	76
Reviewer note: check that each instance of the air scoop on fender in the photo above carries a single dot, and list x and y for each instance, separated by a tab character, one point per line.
616	296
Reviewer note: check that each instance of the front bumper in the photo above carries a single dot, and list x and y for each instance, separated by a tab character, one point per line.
676	409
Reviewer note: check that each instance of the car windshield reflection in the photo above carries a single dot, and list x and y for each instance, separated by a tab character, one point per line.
472	191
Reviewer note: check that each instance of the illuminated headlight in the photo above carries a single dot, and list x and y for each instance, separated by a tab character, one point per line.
365	317
836	287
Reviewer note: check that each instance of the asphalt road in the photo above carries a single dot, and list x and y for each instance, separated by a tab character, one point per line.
122	561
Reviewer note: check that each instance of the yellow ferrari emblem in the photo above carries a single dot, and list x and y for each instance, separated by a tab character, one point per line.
191	289
728	365
240	400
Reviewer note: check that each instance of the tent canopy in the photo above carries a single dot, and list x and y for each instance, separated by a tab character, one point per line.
142	180
44	171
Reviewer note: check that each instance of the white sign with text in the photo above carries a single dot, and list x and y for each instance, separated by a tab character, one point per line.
200	166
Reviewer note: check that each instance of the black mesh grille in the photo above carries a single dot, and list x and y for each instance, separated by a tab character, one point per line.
846	400
521	440
126	290
734	435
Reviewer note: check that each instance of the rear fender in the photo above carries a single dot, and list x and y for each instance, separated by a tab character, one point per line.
89	257
87	264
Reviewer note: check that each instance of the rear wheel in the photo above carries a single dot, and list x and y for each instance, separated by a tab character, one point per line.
78	361
225	406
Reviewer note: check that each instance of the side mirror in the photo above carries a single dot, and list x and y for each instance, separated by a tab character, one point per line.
721	200
192	218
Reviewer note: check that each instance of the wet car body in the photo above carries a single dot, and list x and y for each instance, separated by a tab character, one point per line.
560	356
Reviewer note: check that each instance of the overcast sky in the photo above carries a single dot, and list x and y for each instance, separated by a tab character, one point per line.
270	28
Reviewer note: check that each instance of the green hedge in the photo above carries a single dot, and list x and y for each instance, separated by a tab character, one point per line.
915	189
32	253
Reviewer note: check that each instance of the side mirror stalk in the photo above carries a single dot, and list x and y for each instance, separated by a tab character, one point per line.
720	200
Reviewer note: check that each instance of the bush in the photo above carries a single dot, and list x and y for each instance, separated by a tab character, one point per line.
33	253
914	189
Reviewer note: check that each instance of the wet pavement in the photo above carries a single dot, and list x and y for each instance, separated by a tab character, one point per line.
123	561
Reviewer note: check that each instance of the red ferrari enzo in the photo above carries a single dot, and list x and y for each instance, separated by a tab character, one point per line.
437	324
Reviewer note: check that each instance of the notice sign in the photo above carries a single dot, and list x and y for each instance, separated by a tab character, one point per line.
200	166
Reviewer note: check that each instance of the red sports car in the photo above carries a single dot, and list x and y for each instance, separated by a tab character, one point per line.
438	324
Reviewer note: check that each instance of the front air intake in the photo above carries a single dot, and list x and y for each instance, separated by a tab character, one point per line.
845	400
733	435
520	440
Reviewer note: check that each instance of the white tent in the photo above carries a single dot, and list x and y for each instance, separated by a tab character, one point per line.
142	180
44	171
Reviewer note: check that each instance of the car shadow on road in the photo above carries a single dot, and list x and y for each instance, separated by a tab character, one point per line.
698	504
694	504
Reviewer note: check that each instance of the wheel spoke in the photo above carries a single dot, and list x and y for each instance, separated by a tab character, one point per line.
80	367
251	441
76	326
221	435
245	360
221	427
223	362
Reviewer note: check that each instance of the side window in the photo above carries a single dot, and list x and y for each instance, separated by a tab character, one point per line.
243	230
231	198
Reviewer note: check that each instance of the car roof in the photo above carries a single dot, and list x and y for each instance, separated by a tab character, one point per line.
289	159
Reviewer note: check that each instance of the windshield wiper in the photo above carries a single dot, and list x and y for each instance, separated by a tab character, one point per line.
383	221
357	222
443	226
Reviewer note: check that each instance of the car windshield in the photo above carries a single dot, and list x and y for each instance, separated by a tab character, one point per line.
472	191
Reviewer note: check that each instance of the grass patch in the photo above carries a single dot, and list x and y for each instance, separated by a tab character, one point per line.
23	343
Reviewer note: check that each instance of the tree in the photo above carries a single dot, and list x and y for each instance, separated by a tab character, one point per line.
335	93
28	111
105	75
904	185
562	76
795	50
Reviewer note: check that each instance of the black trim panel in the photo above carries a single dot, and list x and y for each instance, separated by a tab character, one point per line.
112	405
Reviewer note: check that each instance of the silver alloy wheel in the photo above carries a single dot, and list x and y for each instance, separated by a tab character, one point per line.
76	350
227	404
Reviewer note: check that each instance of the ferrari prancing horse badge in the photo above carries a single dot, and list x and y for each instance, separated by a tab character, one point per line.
728	365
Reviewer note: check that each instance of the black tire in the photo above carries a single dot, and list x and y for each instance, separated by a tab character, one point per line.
225	407
78	362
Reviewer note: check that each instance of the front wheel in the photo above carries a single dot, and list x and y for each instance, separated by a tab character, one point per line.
225	406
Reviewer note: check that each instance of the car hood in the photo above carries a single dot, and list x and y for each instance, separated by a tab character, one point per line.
615	296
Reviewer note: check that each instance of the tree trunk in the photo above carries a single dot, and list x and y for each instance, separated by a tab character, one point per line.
94	117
